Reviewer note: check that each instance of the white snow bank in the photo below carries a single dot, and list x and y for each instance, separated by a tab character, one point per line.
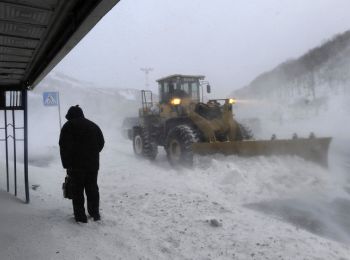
151	211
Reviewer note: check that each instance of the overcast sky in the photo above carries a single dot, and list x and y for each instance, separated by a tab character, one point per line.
229	41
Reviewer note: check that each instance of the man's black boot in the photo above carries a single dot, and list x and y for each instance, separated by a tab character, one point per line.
96	217
82	219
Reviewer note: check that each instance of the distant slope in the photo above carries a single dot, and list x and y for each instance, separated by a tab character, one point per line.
307	94
105	106
97	100
321	71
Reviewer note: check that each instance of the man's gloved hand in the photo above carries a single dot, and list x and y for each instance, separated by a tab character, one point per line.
69	172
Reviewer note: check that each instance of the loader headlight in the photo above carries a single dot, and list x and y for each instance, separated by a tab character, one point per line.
232	101
175	101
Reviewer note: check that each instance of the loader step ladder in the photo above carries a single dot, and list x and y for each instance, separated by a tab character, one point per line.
147	99
147	102
14	105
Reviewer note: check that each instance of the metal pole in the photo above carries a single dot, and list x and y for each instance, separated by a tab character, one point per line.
25	137
14	150
7	153
59	109
146	71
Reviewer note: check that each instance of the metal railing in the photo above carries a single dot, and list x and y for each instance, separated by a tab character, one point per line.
12	103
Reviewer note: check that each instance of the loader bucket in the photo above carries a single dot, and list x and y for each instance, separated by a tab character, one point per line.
313	149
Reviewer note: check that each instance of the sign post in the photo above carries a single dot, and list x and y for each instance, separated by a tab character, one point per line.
52	99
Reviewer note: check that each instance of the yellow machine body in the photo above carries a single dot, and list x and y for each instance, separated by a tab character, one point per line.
208	127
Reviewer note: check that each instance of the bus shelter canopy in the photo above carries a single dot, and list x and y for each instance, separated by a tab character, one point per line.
35	35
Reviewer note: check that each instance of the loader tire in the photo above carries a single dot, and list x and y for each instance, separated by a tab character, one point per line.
179	145
144	145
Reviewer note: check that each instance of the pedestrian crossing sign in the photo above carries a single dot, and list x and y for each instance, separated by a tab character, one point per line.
50	98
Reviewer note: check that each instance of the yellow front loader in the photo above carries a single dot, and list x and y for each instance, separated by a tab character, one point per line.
184	125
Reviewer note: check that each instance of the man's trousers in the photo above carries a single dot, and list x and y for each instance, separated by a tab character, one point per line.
85	180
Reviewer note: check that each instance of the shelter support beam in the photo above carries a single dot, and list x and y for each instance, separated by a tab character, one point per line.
25	137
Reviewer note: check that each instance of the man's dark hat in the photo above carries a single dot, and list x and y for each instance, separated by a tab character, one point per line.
74	112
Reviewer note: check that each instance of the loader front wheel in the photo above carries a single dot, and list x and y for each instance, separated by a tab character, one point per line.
144	145
179	145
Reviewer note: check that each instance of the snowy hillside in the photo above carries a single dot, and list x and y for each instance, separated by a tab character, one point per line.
222	208
308	94
321	71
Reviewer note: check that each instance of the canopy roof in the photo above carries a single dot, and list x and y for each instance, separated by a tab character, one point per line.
35	35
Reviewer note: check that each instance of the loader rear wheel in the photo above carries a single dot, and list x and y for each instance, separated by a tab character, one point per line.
179	145
144	145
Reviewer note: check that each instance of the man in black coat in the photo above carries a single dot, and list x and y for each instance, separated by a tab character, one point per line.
81	142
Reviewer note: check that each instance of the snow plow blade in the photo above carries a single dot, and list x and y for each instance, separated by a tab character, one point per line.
313	149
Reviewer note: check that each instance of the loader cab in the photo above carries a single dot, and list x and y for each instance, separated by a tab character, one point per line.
179	86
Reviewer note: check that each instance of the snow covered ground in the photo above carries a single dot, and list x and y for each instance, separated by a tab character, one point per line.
266	208
222	208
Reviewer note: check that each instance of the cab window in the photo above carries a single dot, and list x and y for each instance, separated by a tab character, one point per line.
168	90
195	91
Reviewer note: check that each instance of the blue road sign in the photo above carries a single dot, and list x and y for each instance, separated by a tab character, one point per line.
50	99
